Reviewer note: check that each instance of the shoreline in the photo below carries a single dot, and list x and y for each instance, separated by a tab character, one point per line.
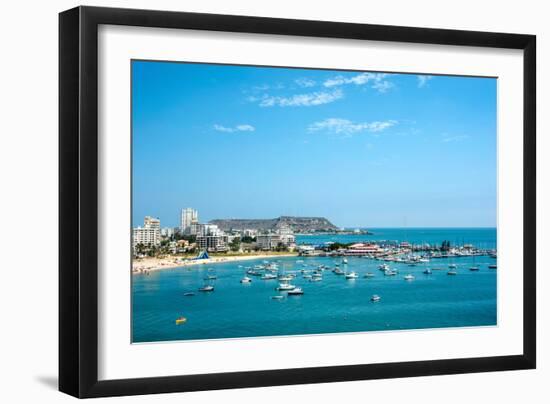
156	264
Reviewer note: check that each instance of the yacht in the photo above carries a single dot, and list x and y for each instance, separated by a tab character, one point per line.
285	278
375	298
295	292
286	286
352	275
246	279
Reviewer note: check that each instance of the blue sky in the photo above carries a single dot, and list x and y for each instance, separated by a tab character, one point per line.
359	148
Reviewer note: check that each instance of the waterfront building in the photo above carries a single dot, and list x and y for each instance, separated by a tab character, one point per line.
189	216
148	235
268	241
363	249
167	232
212	242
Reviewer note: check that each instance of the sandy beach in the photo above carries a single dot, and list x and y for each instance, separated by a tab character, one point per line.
154	264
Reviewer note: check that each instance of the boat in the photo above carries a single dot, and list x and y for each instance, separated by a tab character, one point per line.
375	298
286	286
409	277
338	271
369	275
384	267
316	279
295	292
452	266
452	272
211	278
180	320
493	266
268	277
246	279
389	272
317	275
189	294
207	288
285	278
427	271
345	261
474	268
277	297
352	275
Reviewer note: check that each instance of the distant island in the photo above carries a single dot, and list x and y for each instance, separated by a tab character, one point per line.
297	224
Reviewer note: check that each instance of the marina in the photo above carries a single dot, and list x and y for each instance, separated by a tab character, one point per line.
313	295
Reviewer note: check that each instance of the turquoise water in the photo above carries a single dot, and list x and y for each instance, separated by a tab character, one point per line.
329	306
483	237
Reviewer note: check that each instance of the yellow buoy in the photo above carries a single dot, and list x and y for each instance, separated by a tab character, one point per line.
180	320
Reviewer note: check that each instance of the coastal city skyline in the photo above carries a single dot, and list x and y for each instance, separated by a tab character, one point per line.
361	149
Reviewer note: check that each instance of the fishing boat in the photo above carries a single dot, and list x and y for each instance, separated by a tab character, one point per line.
369	275
375	298
180	320
409	277
207	288
295	292
352	275
246	279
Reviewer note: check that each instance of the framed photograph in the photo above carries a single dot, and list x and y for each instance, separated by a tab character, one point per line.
251	201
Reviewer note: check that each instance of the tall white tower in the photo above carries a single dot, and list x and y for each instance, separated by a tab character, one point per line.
188	217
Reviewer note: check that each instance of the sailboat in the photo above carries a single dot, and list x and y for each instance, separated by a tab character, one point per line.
474	267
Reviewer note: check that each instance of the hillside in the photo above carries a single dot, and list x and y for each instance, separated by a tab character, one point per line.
297	224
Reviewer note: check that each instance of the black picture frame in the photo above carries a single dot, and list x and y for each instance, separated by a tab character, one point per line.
78	201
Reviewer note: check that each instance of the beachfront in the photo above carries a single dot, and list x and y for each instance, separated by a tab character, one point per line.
140	265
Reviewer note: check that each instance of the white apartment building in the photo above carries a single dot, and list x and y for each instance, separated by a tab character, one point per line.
148	235
189	216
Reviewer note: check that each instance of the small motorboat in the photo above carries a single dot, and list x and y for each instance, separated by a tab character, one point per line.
409	277
474	268
493	266
180	320
277	297
345	261
389	272
295	292
211	278
316	279
207	288
268	277
189	294
427	271
286	286
338	271
452	266
452	272
246	279
375	298
352	275
285	278
369	275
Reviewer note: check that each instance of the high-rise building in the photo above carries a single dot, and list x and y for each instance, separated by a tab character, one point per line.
189	216
148	235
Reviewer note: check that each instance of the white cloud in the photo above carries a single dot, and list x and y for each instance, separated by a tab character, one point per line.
348	128
305	82
423	80
301	100
378	81
238	128
456	138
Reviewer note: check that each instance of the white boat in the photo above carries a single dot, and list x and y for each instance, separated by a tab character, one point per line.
352	275
316	279
427	271
286	286
474	268
207	288
375	298
268	277
384	267
246	279
409	277
277	297
369	275
307	276
452	266
338	271
389	272
295	292
452	272
345	261
285	278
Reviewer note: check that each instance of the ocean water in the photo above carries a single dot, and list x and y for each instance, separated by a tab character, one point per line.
330	306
